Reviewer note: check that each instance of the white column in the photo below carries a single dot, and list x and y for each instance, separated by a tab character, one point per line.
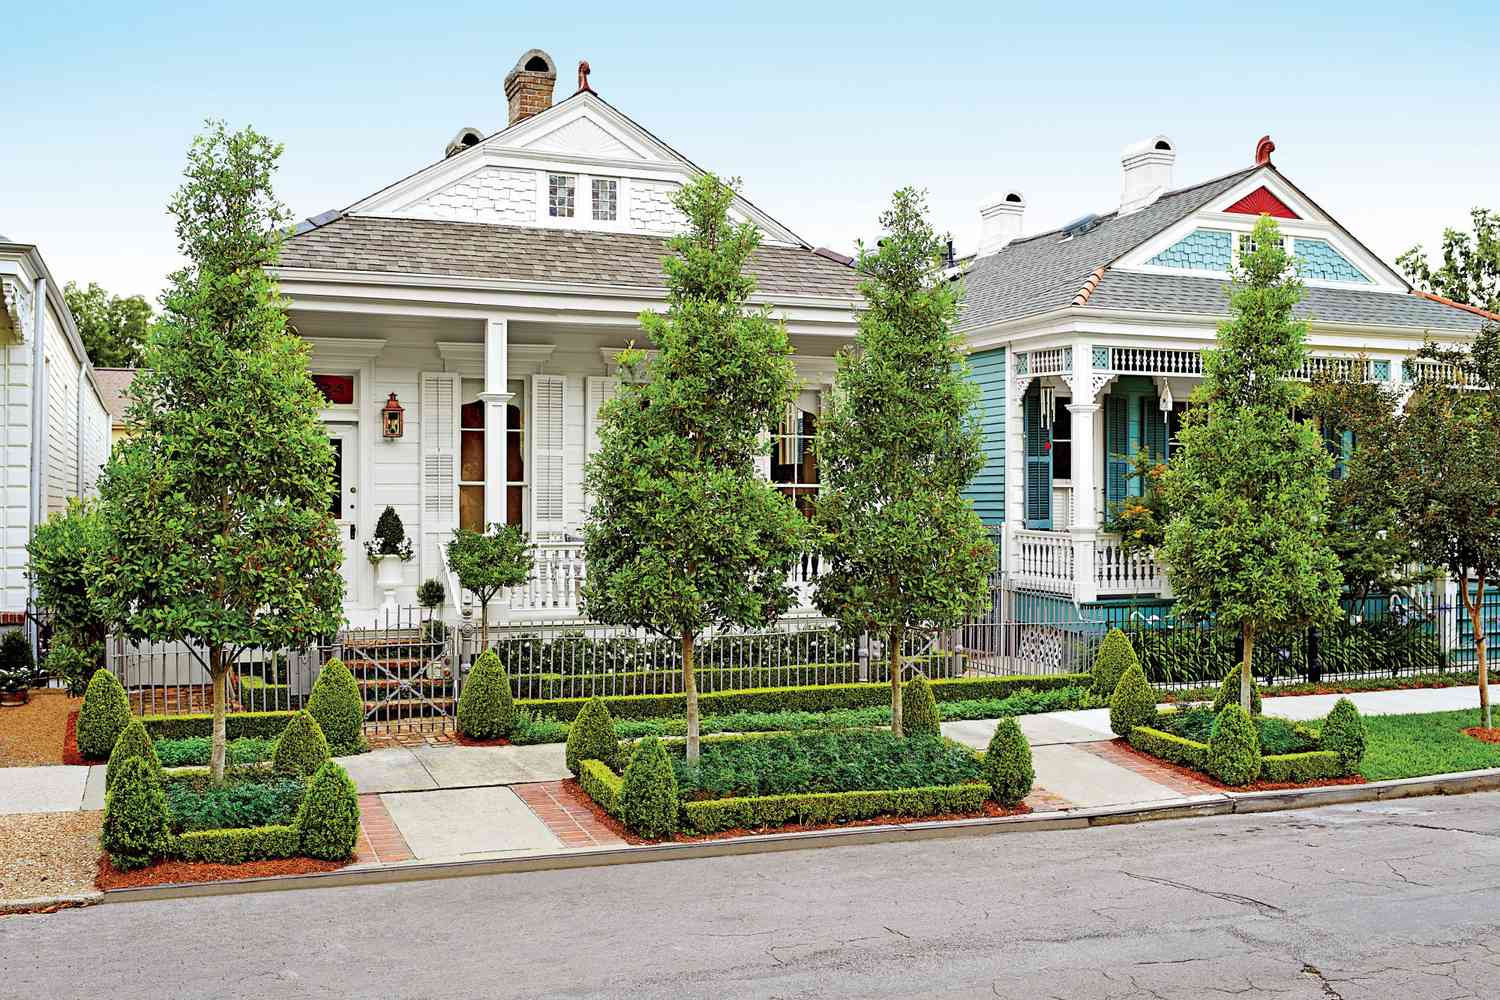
495	397
1015	463
1085	529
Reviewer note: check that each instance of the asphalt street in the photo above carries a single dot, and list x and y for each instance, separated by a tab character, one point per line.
1394	900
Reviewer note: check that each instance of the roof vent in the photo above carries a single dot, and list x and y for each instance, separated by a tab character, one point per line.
528	87
1080	225
1147	172
1263	150
1000	217
466	137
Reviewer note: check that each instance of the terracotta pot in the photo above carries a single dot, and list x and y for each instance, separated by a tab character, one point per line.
14	699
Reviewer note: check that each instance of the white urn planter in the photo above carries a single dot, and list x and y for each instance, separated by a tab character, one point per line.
388	579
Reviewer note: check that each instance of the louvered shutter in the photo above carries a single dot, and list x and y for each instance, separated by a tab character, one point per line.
599	390
1116	449
1038	465
1153	431
439	425
547	485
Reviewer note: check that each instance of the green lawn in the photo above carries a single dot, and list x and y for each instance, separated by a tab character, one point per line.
1411	746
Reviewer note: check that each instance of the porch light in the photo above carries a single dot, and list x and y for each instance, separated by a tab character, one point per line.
392	419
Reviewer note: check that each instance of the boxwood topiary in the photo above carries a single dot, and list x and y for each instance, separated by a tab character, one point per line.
103	717
919	711
328	820
1234	747
648	797
133	743
486	709
1133	702
1007	763
1344	734
302	748
338	707
1229	693
135	816
1114	657
592	736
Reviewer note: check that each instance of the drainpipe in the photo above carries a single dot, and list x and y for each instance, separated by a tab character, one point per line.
38	433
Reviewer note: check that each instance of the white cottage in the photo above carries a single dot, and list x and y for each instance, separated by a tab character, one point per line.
1087	341
488	295
57	430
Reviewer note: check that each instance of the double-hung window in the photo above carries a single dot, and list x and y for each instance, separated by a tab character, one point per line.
562	192
794	461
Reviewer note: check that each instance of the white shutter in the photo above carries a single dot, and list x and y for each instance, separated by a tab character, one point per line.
439	429
600	391
547	484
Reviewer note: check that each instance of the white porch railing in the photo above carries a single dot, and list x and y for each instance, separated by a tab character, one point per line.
1118	572
556	578
1043	560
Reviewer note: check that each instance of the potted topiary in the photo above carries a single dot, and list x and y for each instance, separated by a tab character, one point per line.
387	551
17	669
13	688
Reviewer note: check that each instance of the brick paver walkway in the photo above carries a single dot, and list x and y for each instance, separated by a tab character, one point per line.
1122	755
1041	800
380	841
569	821
380	739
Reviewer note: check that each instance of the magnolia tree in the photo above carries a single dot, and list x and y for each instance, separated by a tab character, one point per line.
216	507
904	550
1248	488
487	563
682	535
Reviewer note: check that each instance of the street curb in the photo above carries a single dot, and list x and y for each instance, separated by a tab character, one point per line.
46	904
1215	804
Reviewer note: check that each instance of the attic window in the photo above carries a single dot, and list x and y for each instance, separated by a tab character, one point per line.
1164	145
561	190
536	64
606	195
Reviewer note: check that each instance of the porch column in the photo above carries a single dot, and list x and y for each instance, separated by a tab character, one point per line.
1085	528
1015	463
495	397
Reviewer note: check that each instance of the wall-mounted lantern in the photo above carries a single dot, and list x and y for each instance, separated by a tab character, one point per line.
392	419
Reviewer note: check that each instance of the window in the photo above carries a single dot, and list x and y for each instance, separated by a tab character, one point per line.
338	390
561	189
794	463
1247	244
1062	441
515	458
606	192
471	466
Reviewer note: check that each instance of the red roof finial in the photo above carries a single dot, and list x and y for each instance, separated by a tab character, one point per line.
583	77
1263	151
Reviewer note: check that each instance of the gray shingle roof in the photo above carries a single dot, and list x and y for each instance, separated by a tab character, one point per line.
1041	273
481	250
1210	297
113	383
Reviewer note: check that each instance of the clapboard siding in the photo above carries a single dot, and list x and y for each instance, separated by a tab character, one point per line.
987	490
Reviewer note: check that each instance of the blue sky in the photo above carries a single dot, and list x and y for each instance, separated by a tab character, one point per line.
1385	115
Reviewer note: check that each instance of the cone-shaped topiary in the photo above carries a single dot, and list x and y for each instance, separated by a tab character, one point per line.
1133	702
919	711
133	743
486	710
1344	734
338	707
1234	747
302	748
1110	663
648	798
592	736
1229	693
103	717
328	819
1007	763
135	816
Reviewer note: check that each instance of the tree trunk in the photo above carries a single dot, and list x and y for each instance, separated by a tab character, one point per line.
894	642
484	628
219	671
1248	631
690	691
1475	608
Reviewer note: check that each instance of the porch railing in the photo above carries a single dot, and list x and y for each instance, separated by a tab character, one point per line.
1119	572
1043	560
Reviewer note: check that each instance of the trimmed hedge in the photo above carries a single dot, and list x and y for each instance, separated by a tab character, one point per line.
263	725
136	826
1115	656
1315	765
919	711
1133	702
1229	693
810	698
603	785
486	710
133	743
1007	763
648	793
710	679
1234	748
302	748
103	716
1170	747
328	822
1344	734
591	737
236	846
714	815
339	707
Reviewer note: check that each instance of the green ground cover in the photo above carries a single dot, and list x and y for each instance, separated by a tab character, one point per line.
194	751
1414	746
246	799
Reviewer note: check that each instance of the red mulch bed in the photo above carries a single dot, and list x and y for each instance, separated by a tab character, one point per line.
1481	733
70	742
575	790
463	740
170	872
1254	786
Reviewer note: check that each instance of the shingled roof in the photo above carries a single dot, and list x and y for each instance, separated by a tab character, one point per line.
524	253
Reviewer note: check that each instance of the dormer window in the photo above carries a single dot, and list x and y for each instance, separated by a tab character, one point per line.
1247	244
561	195
606	196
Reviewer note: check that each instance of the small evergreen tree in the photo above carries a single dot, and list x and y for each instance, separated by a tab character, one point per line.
683	536
216	507
328	819
905	552
338	707
59	556
591	736
102	717
133	742
1234	747
1115	656
1248	489
136	830
431	593
648	791
1344	734
486	563
921	711
486	707
1133	702
302	748
1007	763
390	537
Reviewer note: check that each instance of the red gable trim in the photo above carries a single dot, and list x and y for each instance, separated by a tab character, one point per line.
1262	202
1485	313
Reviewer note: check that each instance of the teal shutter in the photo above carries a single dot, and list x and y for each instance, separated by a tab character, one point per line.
1340	445
1038	464
1116	449
1154	427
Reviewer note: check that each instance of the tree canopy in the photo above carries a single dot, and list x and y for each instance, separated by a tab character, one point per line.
112	327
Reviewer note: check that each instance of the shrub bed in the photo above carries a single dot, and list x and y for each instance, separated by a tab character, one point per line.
710	679
1290	754
714	815
246	799
1277	736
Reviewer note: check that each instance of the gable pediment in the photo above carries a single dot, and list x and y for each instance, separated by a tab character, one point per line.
1262	201
583	137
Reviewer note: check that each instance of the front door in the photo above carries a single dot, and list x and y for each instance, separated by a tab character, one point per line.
344	505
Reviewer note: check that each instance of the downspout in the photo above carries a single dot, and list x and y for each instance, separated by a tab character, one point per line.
38	435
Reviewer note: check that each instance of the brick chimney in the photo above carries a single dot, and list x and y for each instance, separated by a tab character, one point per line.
528	87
